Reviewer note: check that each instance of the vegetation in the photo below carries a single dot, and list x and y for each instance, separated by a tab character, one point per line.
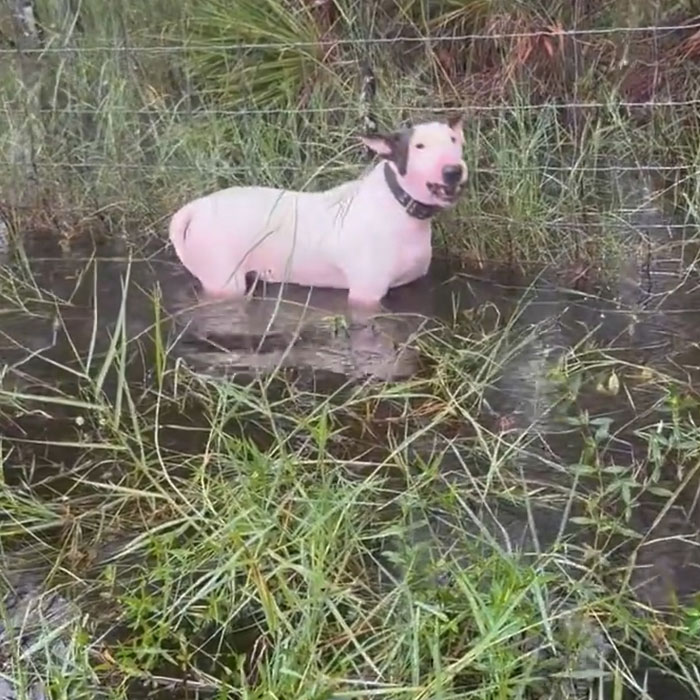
374	540
188	535
142	105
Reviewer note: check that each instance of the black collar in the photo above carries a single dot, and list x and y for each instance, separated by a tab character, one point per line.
413	208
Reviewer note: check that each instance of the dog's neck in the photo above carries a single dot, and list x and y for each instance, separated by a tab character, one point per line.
413	207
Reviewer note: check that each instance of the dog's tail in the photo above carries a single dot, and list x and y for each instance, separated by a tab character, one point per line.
178	228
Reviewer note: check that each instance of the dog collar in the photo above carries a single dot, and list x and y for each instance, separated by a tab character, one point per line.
413	207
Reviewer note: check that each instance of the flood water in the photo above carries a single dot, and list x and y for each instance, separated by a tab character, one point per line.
649	315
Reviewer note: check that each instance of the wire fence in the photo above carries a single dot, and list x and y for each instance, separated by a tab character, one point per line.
622	220
183	109
656	30
693	169
203	111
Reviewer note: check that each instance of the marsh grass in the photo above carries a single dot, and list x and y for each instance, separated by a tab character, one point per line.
265	539
125	134
261	539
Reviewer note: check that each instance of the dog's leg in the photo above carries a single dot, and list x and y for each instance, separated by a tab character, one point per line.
367	280
233	288
366	296
362	311
371	349
365	302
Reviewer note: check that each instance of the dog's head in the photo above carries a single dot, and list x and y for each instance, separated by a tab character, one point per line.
427	159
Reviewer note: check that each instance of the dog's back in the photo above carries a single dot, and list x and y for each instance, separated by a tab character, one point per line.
280	234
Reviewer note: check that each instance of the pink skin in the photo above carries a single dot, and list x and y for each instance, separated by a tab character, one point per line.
355	236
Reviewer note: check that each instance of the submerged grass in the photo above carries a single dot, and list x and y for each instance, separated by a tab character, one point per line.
184	536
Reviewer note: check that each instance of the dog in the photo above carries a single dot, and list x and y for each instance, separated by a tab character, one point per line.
367	235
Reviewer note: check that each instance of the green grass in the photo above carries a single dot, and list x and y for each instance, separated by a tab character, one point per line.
131	133
377	540
406	540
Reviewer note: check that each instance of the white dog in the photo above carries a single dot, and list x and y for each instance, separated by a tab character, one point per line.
366	235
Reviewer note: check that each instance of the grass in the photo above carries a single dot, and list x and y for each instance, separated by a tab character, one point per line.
480	530
141	107
261	539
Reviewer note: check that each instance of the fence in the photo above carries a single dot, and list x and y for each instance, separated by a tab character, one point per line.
111	127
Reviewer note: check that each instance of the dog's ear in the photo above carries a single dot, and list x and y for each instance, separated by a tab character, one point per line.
393	147
454	121
382	144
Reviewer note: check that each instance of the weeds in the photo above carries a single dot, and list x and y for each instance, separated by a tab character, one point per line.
394	540
513	521
141	108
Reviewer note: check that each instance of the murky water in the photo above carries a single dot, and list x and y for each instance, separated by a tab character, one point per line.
73	301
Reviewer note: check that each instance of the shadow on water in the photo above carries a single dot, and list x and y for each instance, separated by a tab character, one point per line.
61	309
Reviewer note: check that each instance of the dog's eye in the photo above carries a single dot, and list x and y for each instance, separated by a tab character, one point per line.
454	140
420	145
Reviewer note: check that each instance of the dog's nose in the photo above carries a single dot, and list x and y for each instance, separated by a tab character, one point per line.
452	174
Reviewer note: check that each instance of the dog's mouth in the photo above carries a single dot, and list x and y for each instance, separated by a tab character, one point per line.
446	193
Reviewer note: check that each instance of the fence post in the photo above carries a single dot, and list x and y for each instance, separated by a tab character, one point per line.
368	90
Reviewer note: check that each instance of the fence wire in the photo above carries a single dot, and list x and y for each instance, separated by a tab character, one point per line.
620	219
656	30
144	111
686	170
574	168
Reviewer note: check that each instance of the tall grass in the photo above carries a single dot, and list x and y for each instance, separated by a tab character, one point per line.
131	133
261	539
266	538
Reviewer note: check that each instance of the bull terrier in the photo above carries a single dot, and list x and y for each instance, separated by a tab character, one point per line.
367	235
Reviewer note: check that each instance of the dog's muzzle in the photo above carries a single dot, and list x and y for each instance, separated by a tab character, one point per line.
453	176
